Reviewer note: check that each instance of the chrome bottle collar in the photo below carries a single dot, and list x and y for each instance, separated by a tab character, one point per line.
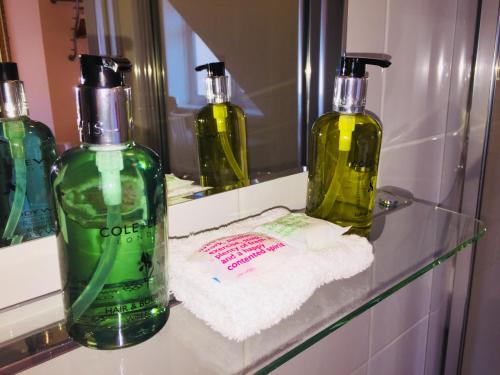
218	89
104	114
13	102
349	94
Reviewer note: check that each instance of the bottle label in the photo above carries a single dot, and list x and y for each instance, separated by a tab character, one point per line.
37	222
230	258
135	287
128	232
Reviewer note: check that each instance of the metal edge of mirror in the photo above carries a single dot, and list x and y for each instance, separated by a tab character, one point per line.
43	344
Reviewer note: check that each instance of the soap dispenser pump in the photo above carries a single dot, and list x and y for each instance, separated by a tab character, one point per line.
221	135
344	150
111	231
27	151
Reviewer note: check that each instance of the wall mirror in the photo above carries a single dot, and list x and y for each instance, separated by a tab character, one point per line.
280	58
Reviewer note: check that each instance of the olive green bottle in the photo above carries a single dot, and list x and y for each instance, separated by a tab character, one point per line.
110	206
344	151
221	135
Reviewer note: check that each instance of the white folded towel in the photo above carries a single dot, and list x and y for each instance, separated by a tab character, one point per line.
241	307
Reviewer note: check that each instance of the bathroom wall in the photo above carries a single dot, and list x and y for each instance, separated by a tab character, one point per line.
39	36
422	102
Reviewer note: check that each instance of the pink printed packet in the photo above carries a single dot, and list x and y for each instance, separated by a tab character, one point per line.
230	258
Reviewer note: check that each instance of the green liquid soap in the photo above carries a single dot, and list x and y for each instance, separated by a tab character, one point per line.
222	147
110	207
344	149
342	184
131	304
221	135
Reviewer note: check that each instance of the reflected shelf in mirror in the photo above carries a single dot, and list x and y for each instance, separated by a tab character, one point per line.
186	188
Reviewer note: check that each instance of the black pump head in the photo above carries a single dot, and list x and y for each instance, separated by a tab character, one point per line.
103	71
354	64
215	69
8	72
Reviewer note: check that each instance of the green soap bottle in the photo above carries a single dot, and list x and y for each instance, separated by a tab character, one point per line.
221	135
110	206
344	151
27	151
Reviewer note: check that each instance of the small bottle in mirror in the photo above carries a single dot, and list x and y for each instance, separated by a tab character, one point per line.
27	151
221	135
110	199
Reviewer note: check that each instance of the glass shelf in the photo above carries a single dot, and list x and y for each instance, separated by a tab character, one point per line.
408	241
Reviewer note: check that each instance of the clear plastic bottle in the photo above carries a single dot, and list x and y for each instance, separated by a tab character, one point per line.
342	182
221	136
344	152
27	151
110	199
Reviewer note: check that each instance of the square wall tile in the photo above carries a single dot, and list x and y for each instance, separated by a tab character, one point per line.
363	370
33	266
289	191
415	166
341	353
399	312
203	213
406	355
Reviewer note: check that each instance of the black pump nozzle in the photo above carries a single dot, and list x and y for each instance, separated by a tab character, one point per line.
103	71
354	65
8	72
215	69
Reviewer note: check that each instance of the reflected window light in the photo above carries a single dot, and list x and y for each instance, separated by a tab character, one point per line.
308	70
441	66
202	55
184	50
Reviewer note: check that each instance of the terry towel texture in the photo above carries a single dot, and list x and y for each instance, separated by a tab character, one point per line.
247	305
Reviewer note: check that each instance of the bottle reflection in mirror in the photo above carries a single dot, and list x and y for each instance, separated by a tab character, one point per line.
221	135
110	203
27	151
344	152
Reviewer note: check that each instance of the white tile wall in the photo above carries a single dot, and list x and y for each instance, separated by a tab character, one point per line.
28	270
393	316
199	214
411	96
405	355
414	166
363	370
289	191
341	353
